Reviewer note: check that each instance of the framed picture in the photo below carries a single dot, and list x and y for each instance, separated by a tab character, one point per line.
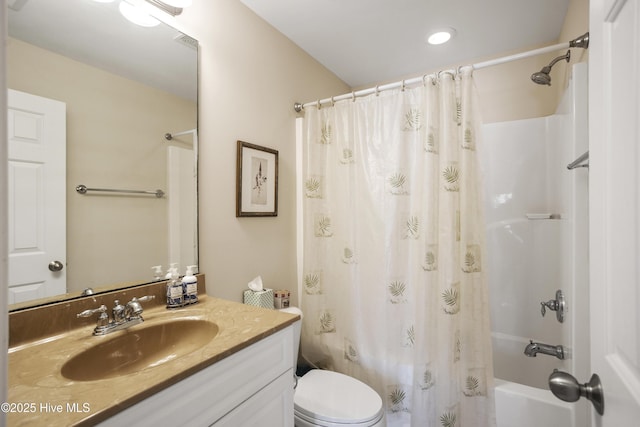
256	181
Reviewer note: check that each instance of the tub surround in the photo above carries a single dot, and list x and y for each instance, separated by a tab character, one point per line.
43	339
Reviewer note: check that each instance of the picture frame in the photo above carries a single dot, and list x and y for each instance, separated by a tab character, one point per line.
256	181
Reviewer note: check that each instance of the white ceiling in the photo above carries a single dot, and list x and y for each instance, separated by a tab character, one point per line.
365	42
97	34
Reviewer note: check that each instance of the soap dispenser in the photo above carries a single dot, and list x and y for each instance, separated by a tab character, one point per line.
175	297
157	272
190	285
170	270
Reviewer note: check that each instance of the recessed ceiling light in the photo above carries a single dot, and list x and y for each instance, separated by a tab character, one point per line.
440	36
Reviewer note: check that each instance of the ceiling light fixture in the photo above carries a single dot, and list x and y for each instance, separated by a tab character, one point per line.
136	12
172	7
441	36
136	15
178	3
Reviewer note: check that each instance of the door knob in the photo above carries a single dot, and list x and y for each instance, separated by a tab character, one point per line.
56	266
565	387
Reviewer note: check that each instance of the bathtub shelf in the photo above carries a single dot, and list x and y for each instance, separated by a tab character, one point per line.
535	216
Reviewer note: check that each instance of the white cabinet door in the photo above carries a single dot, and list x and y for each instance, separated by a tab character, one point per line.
37	197
614	193
270	407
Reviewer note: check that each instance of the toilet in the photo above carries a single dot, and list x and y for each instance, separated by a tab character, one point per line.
331	399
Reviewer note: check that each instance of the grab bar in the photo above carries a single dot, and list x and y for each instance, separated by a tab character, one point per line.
577	163
82	189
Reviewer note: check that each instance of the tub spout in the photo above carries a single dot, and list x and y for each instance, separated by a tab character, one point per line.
533	348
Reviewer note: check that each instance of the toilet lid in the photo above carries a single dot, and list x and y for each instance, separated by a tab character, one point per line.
334	397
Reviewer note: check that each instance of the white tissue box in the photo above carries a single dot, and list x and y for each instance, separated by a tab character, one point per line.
261	298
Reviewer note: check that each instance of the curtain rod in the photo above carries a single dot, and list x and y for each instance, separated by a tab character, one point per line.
582	41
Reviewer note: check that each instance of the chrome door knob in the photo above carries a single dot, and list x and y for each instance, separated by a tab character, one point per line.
56	266
565	387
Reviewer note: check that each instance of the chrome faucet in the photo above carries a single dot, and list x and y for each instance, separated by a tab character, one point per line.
123	316
533	348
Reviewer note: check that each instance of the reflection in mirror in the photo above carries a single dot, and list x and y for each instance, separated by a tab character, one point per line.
107	91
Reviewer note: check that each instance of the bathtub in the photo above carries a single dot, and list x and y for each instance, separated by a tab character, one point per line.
537	243
517	403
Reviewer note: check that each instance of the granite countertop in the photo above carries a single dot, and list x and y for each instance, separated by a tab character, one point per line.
40	395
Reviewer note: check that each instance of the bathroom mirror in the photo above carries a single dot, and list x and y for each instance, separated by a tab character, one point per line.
122	88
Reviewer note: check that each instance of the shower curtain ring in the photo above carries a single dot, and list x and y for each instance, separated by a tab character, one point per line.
318	105
377	90
403	85
445	72
353	96
333	103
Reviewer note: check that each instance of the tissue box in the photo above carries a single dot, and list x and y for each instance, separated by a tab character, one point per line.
261	298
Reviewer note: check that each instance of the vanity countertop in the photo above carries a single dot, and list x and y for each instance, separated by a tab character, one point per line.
39	395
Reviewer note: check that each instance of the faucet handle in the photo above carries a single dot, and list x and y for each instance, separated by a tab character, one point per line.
134	306
144	298
103	318
543	310
88	313
558	305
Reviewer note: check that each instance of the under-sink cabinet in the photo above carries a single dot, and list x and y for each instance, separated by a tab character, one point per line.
253	387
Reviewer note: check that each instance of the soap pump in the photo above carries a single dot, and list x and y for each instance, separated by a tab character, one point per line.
157	272
190	285
170	270
175	297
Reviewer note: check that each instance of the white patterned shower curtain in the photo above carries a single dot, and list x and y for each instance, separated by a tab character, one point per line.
394	289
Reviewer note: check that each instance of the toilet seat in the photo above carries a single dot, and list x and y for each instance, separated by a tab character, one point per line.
326	398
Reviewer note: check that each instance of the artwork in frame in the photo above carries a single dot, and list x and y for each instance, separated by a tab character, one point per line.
256	180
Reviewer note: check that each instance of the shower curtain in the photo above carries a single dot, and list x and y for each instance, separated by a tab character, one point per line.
394	290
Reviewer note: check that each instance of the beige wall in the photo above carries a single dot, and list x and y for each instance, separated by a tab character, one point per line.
115	130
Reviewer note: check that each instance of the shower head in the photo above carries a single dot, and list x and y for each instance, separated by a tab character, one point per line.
542	77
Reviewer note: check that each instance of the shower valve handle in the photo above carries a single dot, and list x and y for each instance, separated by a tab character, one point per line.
558	305
552	304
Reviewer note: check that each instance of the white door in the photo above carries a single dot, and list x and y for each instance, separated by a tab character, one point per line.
37	196
614	198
